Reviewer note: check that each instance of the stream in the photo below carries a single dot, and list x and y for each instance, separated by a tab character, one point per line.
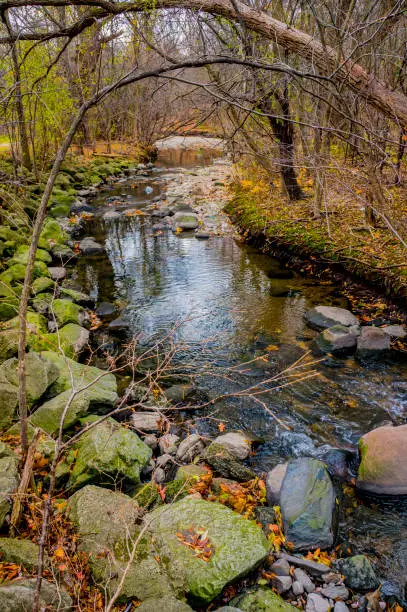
237	317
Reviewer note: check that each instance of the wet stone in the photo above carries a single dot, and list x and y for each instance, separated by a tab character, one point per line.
304	580
335	592
317	603
280	568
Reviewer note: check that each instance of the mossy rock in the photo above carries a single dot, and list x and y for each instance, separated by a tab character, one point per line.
52	234
63	180
42	283
21	255
106	454
8	308
71	338
148	495
223	462
39	376
16	272
261	600
76	296
36	323
102	385
59	210
106	523
8	344
66	311
9	479
9	235
237	545
41	302
62	253
17	595
21	552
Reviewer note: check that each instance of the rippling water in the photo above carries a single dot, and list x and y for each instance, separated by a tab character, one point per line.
237	307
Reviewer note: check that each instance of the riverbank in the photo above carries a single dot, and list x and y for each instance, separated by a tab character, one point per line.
345	250
140	467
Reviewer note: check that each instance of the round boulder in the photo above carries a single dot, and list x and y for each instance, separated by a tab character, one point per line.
322	317
383	465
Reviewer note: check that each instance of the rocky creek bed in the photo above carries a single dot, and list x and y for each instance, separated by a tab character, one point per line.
193	493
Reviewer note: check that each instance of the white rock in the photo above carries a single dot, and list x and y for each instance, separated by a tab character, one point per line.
190	448
236	444
304	579
298	589
147	421
282	583
335	592
317	603
340	607
280	568
168	444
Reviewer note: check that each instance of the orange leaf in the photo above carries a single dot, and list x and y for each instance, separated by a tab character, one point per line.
221	427
59	553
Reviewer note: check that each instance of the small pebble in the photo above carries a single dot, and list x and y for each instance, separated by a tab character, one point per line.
159	476
297	587
282	583
281	568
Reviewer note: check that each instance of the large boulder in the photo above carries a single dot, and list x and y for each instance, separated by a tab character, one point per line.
52	234
40	374
383	461
308	505
373	340
321	317
274	481
36	330
48	416
359	573
186	220
261	600
337	338
18	596
66	311
102	385
107	453
21	255
169	604
227	545
21	552
107	525
8	480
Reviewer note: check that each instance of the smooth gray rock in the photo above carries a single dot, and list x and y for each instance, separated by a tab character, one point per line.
57	273
106	310
190	448
395	331
322	317
89	246
274	480
336	339
303	578
151	440
298	588
168	443
340	607
308	504
236	443
165	604
281	567
317	603
314	568
163	460
18	596
335	592
373	340
147	421
282	584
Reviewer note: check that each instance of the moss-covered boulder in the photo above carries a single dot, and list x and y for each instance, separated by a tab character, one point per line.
18	595
9	479
261	600
21	552
149	496
76	296
71	337
234	545
42	302
107	524
169	604
40	374
43	283
105	454
308	505
21	255
383	465
36	332
102	385
8	308
62	253
52	234
359	573
16	272
8	344
48	416
66	311
186	220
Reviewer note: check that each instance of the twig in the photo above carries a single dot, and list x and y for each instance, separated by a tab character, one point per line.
22	488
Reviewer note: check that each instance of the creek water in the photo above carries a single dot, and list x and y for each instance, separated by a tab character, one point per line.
233	306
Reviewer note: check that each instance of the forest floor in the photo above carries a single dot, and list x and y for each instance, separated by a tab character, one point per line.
339	241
